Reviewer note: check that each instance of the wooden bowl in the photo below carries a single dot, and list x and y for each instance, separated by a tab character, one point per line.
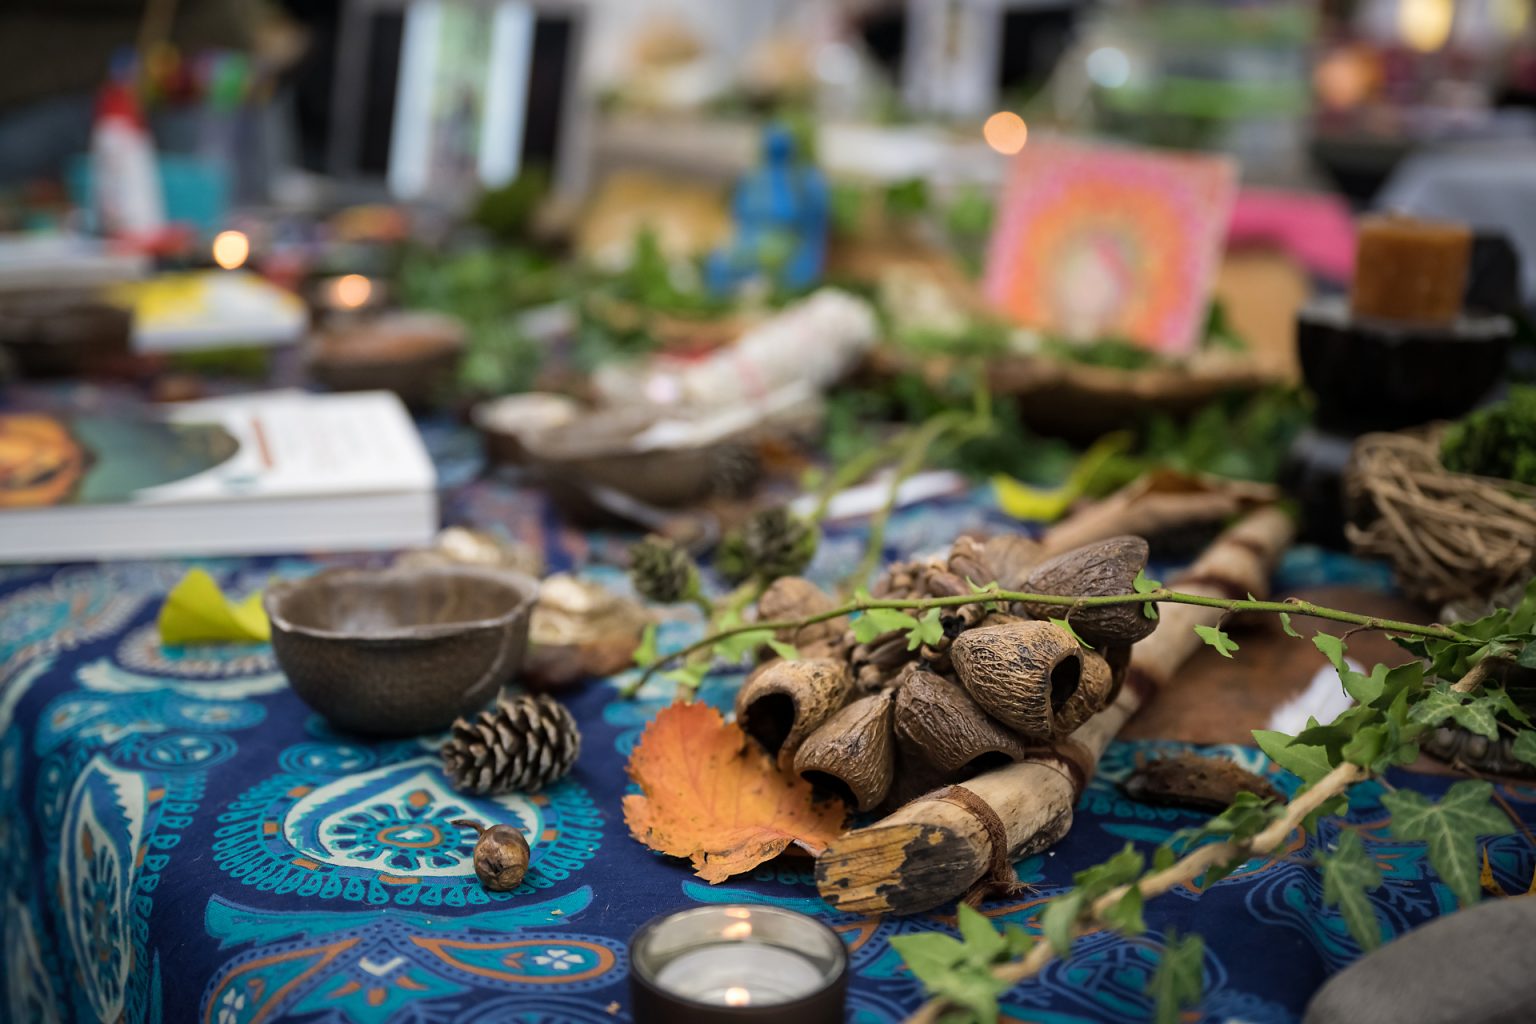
412	354
398	652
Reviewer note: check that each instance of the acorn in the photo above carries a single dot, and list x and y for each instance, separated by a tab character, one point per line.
1021	673
938	723
1095	570
501	855
794	597
853	751
783	702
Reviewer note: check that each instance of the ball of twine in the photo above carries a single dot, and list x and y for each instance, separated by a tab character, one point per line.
1449	536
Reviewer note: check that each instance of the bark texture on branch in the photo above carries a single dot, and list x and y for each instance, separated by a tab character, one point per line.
936	848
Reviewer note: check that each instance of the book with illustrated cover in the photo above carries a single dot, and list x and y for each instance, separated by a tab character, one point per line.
259	474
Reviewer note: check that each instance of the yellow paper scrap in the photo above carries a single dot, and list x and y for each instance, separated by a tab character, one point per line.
197	612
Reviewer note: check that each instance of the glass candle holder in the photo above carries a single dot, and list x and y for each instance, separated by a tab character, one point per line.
727	964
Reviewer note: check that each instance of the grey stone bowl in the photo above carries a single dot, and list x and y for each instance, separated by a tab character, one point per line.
399	652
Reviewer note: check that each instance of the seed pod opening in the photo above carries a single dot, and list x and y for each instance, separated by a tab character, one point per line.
938	723
1090	696
1021	673
1095	570
851	753
783	702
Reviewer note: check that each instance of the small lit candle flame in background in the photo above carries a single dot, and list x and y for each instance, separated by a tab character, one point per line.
741	913
231	249
737	931
1005	132
737	996
351	291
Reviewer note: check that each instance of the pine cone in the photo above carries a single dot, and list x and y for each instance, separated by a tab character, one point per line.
662	571
773	543
521	745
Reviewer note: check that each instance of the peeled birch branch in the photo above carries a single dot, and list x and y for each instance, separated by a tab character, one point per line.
935	848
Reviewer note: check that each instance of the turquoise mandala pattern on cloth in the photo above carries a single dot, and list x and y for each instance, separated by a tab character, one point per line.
337	825
183	842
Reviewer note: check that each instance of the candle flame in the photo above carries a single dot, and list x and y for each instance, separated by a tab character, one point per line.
741	913
737	930
737	996
1005	132
352	291
231	249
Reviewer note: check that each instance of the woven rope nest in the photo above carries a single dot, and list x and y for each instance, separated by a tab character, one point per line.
1449	536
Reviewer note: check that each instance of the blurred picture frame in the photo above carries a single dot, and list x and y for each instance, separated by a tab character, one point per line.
435	100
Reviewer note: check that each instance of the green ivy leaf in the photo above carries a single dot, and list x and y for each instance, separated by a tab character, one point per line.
1366	746
1121	869
1333	649
983	943
1018	941
739	645
1064	624
1124	915
1524	746
1349	875
929	955
1478	714
1308	762
1503	703
1449	829
689	677
1179	979
1244	818
927	630
789	652
876	622
1059	918
1146	585
646	652
1527	658
1285	624
1217	639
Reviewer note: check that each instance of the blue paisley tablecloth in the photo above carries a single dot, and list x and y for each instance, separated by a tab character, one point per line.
181	840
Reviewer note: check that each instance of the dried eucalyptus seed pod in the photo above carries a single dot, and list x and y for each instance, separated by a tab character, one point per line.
1021	673
1009	557
853	751
1119	658
1000	619
1095	570
888	651
938	723
794	597
1194	781
783	702
943	583
938	658
501	855
1091	696
874	678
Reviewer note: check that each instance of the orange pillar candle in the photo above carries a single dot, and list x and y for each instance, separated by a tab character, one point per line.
1412	271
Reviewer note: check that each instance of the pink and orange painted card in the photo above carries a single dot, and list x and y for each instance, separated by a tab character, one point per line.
1098	241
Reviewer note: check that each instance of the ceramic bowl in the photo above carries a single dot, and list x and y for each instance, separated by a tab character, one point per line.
398	652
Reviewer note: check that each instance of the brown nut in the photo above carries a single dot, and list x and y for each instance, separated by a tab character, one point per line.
501	855
1091	696
852	750
1009	557
1021	673
792	597
939	724
783	702
1095	570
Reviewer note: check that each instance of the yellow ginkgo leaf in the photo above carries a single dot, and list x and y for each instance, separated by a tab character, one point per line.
197	612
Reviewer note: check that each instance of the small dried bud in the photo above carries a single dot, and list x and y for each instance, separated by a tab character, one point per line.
501	855
662	571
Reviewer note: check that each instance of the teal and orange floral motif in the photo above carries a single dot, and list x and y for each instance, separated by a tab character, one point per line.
363	967
334	828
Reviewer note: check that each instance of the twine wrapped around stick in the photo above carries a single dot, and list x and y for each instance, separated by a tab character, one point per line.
1449	536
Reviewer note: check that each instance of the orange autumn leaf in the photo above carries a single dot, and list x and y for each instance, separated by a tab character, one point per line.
716	798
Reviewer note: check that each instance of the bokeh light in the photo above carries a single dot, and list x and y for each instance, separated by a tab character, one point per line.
1425	24
351	291
1005	132
231	249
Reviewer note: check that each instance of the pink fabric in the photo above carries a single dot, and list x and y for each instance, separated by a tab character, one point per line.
1316	229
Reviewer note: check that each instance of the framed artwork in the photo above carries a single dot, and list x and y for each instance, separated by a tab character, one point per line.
1097	241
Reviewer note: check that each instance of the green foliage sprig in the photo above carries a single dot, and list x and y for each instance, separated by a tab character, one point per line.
1395	706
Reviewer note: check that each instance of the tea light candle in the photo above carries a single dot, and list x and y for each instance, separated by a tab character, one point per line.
714	965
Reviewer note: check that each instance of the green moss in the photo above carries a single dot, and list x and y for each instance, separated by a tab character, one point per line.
1499	441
